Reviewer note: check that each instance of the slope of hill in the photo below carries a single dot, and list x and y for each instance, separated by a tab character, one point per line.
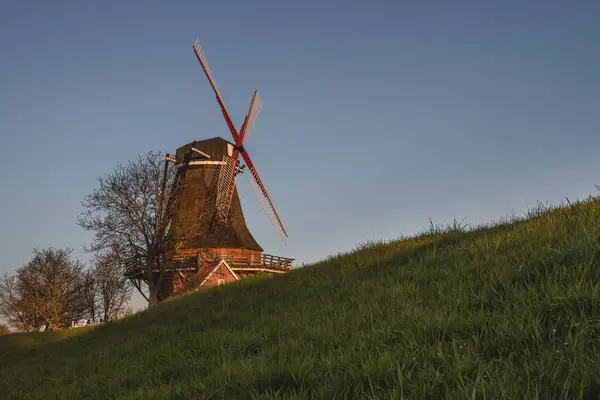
510	310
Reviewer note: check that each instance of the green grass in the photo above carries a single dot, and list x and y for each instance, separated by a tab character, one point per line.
511	310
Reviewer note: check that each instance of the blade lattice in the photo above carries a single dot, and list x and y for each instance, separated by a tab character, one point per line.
225	188
267	206
255	107
204	63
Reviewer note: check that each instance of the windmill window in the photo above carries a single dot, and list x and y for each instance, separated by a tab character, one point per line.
220	281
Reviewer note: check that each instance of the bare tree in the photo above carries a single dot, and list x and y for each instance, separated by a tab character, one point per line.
132	212
90	295
15	307
49	290
111	288
4	330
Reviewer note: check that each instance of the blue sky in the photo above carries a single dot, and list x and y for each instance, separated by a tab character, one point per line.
377	115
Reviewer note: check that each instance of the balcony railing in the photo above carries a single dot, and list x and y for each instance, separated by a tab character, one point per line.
276	262
268	261
248	263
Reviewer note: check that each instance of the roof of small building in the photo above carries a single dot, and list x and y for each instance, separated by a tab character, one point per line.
209	268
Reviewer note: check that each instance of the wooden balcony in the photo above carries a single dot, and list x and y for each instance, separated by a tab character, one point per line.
250	263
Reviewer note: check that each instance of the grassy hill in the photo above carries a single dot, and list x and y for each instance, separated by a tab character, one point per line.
508	310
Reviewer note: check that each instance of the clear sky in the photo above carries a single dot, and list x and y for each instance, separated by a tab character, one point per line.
377	114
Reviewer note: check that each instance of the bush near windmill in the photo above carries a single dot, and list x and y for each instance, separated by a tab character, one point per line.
54	291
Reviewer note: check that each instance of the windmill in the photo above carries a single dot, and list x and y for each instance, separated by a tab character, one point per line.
207	171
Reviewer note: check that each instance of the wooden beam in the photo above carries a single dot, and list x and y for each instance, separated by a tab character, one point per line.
200	152
200	163
167	157
276	271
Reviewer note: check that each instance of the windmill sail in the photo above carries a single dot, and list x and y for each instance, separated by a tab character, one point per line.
265	201
204	63
255	107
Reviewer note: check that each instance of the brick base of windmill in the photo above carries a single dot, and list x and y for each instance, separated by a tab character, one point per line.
229	265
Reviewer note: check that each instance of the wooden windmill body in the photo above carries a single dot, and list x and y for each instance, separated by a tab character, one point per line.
203	181
219	247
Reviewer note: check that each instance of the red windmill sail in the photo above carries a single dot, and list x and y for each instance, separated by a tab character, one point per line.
229	173
239	139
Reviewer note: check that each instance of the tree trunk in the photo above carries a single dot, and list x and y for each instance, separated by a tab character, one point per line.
155	279
153	294
52	326
153	286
